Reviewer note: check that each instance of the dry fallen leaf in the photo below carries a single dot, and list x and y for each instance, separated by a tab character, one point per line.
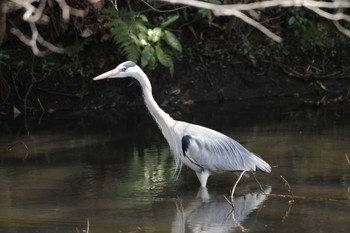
16	112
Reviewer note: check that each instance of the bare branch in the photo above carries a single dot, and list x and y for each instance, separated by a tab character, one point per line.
225	9
36	37
34	15
325	14
114	3
237	9
68	10
257	25
162	11
341	28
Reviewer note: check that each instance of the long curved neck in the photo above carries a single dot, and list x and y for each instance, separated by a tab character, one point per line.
163	119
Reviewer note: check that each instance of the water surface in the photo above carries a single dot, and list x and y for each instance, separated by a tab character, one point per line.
112	170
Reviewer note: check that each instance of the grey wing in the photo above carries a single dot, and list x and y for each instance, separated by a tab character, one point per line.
218	153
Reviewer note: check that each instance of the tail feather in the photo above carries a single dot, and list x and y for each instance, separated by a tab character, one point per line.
261	165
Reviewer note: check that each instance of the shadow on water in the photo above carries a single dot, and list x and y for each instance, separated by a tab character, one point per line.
115	169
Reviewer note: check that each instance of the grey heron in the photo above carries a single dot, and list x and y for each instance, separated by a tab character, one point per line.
204	150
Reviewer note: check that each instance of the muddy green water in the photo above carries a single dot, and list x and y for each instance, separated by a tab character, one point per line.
111	171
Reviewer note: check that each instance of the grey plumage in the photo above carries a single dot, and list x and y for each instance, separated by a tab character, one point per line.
218	153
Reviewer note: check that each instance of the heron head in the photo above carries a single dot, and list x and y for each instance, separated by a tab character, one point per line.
123	70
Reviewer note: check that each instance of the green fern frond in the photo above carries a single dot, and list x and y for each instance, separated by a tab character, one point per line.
109	11
127	33
131	51
137	42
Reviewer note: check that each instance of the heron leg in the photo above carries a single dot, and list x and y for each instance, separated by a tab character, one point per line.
203	176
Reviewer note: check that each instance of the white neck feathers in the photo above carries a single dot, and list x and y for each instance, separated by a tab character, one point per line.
163	119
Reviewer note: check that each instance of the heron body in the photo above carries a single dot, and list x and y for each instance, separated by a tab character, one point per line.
204	150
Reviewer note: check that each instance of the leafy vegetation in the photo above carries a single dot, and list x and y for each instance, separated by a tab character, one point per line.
140	42
311	46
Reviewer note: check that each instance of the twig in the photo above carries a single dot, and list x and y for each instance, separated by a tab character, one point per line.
293	197
41	106
87	225
258	183
163	11
286	215
321	85
114	3
347	158
289	188
234	188
14	77
25	146
243	229
13	145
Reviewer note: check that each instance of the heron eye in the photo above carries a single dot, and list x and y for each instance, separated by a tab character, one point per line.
123	69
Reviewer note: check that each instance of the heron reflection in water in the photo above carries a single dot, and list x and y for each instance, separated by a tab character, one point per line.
214	214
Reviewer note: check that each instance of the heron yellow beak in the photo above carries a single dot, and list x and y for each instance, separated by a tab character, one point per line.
104	75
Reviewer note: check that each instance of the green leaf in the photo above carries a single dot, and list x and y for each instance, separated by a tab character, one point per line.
154	34
146	56
109	11
204	13
165	59
172	41
143	18
171	19
291	21
152	61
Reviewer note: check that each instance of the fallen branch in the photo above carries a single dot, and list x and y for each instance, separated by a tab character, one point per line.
296	197
293	197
